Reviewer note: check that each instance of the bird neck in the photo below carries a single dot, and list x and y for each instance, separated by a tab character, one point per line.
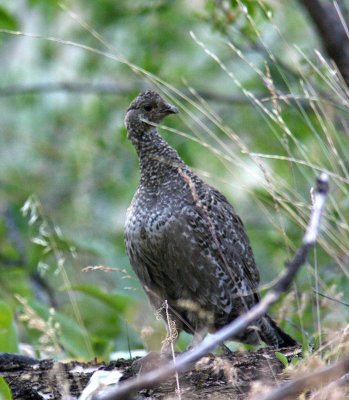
157	158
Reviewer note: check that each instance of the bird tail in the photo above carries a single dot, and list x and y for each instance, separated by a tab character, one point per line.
274	336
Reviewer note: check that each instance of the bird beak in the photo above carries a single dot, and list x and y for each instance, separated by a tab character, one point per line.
172	109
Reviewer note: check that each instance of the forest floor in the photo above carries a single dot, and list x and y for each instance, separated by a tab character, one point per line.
230	376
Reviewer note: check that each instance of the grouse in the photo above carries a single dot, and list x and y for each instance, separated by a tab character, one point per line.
185	241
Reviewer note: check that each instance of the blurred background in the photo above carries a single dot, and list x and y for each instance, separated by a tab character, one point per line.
263	111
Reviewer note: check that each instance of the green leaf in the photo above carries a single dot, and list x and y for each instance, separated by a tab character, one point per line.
118	302
282	358
8	334
7	21
306	348
5	391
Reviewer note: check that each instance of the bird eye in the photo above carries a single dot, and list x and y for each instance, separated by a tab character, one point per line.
148	107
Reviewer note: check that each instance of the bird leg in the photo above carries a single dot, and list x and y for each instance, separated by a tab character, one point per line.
169	344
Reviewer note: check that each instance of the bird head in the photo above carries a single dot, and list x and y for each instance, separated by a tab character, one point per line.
149	106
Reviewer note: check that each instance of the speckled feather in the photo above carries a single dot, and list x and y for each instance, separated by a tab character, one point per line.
184	240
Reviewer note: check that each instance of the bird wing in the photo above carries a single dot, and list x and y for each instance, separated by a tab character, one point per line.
232	237
210	239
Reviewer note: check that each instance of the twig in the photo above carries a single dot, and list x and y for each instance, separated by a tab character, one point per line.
42	288
317	378
15	239
109	88
10	262
125	389
113	88
330	298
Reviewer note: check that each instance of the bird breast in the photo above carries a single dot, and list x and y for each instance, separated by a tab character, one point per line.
146	221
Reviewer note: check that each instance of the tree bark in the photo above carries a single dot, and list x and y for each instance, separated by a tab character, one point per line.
332	32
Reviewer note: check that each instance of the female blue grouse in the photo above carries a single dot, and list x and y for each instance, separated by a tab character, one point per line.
185	241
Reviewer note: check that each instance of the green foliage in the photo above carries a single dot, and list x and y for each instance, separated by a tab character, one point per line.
287	360
236	15
8	334
282	358
117	302
5	391
7	20
63	333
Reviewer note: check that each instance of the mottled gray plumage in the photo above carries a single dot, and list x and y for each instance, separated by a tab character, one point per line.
185	241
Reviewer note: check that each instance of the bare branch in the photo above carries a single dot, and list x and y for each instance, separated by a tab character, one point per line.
182	362
330	298
110	88
317	378
106	88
